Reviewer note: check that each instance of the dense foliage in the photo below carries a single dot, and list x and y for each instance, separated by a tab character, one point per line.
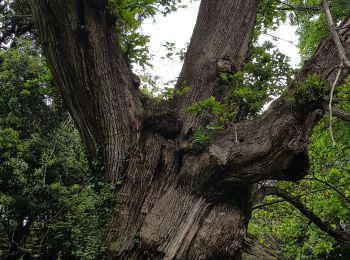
50	207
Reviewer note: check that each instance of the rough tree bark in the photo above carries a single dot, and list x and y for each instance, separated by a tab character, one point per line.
177	202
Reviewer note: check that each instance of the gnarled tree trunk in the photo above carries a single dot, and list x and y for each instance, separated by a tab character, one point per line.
176	201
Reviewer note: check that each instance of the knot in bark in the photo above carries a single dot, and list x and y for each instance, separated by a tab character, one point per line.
224	65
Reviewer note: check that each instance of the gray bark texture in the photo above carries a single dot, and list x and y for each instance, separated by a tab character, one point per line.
177	201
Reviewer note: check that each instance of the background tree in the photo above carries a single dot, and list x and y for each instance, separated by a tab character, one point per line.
50	207
192	167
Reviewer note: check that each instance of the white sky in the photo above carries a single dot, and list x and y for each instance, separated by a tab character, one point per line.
177	28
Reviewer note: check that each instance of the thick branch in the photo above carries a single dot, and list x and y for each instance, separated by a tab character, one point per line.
274	146
342	237
341	114
88	66
219	43
271	147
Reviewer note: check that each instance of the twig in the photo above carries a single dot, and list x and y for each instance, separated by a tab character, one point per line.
279	38
268	204
44	236
298	8
65	124
65	206
331	103
236	134
331	186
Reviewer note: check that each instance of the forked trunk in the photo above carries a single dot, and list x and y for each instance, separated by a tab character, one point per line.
177	200
168	209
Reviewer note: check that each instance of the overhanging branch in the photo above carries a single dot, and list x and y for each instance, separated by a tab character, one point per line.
341	236
290	7
259	194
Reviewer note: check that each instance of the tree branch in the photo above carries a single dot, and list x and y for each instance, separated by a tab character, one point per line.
89	68
219	43
335	35
331	102
279	38
341	114
258	196
277	141
331	186
298	8
340	236
344	61
268	204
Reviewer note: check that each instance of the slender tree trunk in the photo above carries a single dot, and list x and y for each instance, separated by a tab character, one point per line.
177	201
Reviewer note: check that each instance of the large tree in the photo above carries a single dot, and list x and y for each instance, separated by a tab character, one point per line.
180	199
